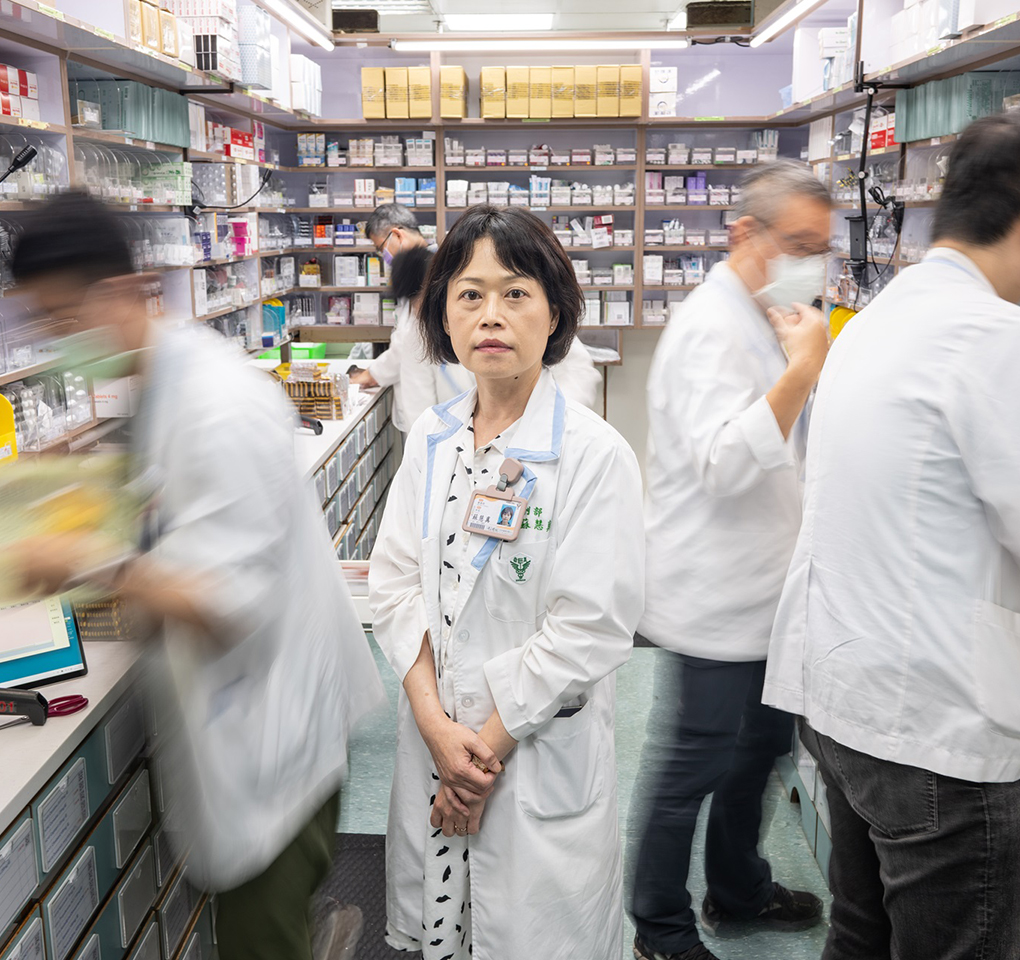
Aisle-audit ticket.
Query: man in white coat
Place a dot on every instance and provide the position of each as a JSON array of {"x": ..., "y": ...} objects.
[
  {"x": 267, "y": 660},
  {"x": 727, "y": 400},
  {"x": 898, "y": 637}
]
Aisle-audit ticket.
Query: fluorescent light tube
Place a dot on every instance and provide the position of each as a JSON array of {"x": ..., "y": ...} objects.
[
  {"x": 496, "y": 22},
  {"x": 310, "y": 29},
  {"x": 777, "y": 26},
  {"x": 466, "y": 45}
]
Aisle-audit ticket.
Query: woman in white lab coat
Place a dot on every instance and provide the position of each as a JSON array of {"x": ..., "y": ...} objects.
[{"x": 507, "y": 648}]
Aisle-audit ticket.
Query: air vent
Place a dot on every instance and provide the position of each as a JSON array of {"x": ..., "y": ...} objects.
[
  {"x": 355, "y": 21},
  {"x": 720, "y": 13}
]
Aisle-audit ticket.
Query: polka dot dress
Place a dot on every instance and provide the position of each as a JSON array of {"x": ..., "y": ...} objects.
[{"x": 446, "y": 908}]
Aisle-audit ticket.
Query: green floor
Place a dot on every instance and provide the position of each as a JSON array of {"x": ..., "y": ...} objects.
[{"x": 366, "y": 800}]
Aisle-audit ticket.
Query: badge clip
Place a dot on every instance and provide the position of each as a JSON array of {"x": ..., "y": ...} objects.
[{"x": 497, "y": 512}]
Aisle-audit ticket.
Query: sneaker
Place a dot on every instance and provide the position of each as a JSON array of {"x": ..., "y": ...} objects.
[
  {"x": 642, "y": 951},
  {"x": 338, "y": 933},
  {"x": 788, "y": 910}
]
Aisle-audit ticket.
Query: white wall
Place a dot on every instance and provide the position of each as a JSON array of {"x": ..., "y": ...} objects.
[{"x": 626, "y": 396}]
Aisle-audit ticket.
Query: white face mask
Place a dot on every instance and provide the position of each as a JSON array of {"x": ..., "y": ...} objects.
[{"x": 792, "y": 280}]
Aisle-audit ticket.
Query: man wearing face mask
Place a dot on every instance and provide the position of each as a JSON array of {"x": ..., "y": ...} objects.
[
  {"x": 393, "y": 230},
  {"x": 728, "y": 398}
]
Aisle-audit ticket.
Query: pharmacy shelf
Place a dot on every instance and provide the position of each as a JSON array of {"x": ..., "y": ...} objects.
[
  {"x": 345, "y": 211},
  {"x": 597, "y": 287},
  {"x": 224, "y": 261},
  {"x": 683, "y": 248},
  {"x": 12, "y": 376},
  {"x": 670, "y": 286},
  {"x": 141, "y": 207},
  {"x": 690, "y": 206},
  {"x": 566, "y": 208},
  {"x": 609, "y": 249},
  {"x": 37, "y": 125},
  {"x": 339, "y": 333},
  {"x": 550, "y": 168},
  {"x": 124, "y": 140},
  {"x": 656, "y": 167},
  {"x": 354, "y": 168},
  {"x": 223, "y": 311},
  {"x": 68, "y": 438}
]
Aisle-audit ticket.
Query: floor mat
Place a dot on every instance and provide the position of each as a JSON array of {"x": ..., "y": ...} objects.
[{"x": 359, "y": 877}]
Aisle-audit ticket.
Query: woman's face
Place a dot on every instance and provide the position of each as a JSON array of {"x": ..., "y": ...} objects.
[{"x": 499, "y": 323}]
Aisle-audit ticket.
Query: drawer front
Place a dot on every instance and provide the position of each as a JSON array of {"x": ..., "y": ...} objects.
[
  {"x": 124, "y": 737},
  {"x": 92, "y": 949},
  {"x": 68, "y": 909},
  {"x": 331, "y": 478},
  {"x": 28, "y": 942},
  {"x": 132, "y": 818},
  {"x": 134, "y": 897},
  {"x": 175, "y": 916},
  {"x": 148, "y": 943},
  {"x": 19, "y": 871},
  {"x": 200, "y": 943}
]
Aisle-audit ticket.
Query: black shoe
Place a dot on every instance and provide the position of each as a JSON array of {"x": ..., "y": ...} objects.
[
  {"x": 642, "y": 951},
  {"x": 788, "y": 910}
]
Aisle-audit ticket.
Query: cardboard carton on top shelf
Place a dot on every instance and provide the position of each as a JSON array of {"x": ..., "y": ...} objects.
[
  {"x": 373, "y": 93},
  {"x": 540, "y": 93},
  {"x": 630, "y": 90},
  {"x": 562, "y": 91},
  {"x": 493, "y": 92},
  {"x": 608, "y": 95},
  {"x": 419, "y": 92},
  {"x": 585, "y": 91},
  {"x": 397, "y": 107},
  {"x": 518, "y": 91},
  {"x": 452, "y": 92}
]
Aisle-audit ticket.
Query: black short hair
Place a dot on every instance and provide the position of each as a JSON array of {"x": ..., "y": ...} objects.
[
  {"x": 980, "y": 201},
  {"x": 523, "y": 244},
  {"x": 72, "y": 234},
  {"x": 389, "y": 215}
]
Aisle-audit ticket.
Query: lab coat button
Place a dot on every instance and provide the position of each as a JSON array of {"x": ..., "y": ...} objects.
[
  {"x": 463, "y": 635},
  {"x": 467, "y": 702}
]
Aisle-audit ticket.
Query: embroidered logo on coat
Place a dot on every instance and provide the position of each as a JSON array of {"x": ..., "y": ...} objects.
[{"x": 521, "y": 566}]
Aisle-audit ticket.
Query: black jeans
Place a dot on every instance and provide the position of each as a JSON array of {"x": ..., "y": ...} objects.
[
  {"x": 923, "y": 867},
  {"x": 721, "y": 740}
]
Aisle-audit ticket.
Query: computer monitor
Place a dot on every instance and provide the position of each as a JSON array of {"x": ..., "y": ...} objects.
[{"x": 39, "y": 643}]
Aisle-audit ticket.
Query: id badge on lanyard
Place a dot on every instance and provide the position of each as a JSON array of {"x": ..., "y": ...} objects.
[{"x": 497, "y": 512}]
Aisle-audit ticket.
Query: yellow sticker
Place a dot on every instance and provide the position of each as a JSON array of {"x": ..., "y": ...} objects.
[
  {"x": 106, "y": 33},
  {"x": 8, "y": 440},
  {"x": 51, "y": 11}
]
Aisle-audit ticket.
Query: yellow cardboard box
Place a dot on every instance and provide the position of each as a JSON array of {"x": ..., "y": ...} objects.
[
  {"x": 373, "y": 93},
  {"x": 150, "y": 27},
  {"x": 585, "y": 100},
  {"x": 134, "y": 21},
  {"x": 397, "y": 106},
  {"x": 419, "y": 92},
  {"x": 518, "y": 91},
  {"x": 168, "y": 33},
  {"x": 452, "y": 92},
  {"x": 493, "y": 105},
  {"x": 630, "y": 90},
  {"x": 608, "y": 96},
  {"x": 540, "y": 93},
  {"x": 562, "y": 91}
]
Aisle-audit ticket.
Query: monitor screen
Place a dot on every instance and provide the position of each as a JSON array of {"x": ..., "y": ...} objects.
[{"x": 39, "y": 643}]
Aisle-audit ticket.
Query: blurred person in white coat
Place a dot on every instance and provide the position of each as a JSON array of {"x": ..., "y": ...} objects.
[
  {"x": 507, "y": 648},
  {"x": 898, "y": 632},
  {"x": 728, "y": 400},
  {"x": 266, "y": 658}
]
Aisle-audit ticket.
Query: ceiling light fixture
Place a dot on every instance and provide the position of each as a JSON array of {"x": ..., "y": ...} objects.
[
  {"x": 499, "y": 22},
  {"x": 772, "y": 29},
  {"x": 303, "y": 23},
  {"x": 550, "y": 45}
]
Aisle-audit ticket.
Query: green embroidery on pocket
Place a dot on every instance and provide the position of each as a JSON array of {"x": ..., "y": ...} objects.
[{"x": 520, "y": 566}]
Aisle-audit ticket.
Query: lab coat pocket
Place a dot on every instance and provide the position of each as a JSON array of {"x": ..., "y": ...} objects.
[
  {"x": 513, "y": 581},
  {"x": 997, "y": 666},
  {"x": 559, "y": 768}
]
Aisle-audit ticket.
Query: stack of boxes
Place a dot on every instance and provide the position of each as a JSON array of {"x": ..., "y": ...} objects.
[
  {"x": 541, "y": 93},
  {"x": 396, "y": 93},
  {"x": 153, "y": 26},
  {"x": 214, "y": 24},
  {"x": 254, "y": 32},
  {"x": 835, "y": 54},
  {"x": 662, "y": 92},
  {"x": 305, "y": 85},
  {"x": 19, "y": 93},
  {"x": 452, "y": 93}
]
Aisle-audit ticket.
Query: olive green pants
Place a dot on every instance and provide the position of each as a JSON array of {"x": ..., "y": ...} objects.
[{"x": 269, "y": 917}]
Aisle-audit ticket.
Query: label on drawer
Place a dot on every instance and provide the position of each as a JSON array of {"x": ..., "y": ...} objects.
[
  {"x": 194, "y": 951},
  {"x": 19, "y": 875},
  {"x": 91, "y": 950},
  {"x": 175, "y": 916},
  {"x": 135, "y": 897},
  {"x": 30, "y": 946},
  {"x": 148, "y": 946},
  {"x": 73, "y": 904},
  {"x": 125, "y": 737},
  {"x": 131, "y": 818},
  {"x": 63, "y": 813}
]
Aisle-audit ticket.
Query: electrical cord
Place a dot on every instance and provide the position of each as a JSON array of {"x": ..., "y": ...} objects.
[
  {"x": 200, "y": 205},
  {"x": 736, "y": 41}
]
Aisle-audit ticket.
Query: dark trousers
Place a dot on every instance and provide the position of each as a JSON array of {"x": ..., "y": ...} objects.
[
  {"x": 923, "y": 867},
  {"x": 720, "y": 740},
  {"x": 269, "y": 917}
]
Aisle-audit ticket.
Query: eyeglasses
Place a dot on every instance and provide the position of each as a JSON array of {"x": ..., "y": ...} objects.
[
  {"x": 795, "y": 247},
  {"x": 382, "y": 246}
]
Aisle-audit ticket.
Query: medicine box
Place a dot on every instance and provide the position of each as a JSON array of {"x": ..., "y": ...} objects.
[
  {"x": 493, "y": 93},
  {"x": 585, "y": 91},
  {"x": 562, "y": 91},
  {"x": 540, "y": 93},
  {"x": 419, "y": 92},
  {"x": 373, "y": 93},
  {"x": 452, "y": 92},
  {"x": 630, "y": 90},
  {"x": 608, "y": 91},
  {"x": 662, "y": 80}
]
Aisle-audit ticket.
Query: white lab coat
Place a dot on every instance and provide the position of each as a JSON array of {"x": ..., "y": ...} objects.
[
  {"x": 724, "y": 487},
  {"x": 265, "y": 725},
  {"x": 424, "y": 384},
  {"x": 912, "y": 504},
  {"x": 545, "y": 868}
]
